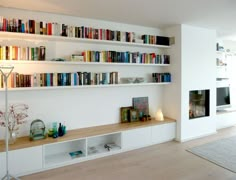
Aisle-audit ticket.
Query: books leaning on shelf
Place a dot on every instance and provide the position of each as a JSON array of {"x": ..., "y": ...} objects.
[
  {"x": 60, "y": 29},
  {"x": 76, "y": 154},
  {"x": 17, "y": 80},
  {"x": 22, "y": 53},
  {"x": 161, "y": 77},
  {"x": 158, "y": 40},
  {"x": 32, "y": 26},
  {"x": 124, "y": 57}
]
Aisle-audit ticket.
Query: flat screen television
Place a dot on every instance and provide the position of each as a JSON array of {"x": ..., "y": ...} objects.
[{"x": 222, "y": 97}]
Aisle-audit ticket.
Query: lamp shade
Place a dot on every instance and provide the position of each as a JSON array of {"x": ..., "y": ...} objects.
[{"x": 159, "y": 115}]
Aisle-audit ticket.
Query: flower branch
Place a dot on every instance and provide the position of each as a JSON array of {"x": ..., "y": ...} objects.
[{"x": 16, "y": 116}]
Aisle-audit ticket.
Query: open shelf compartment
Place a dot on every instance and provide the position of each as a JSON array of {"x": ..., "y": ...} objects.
[
  {"x": 104, "y": 144},
  {"x": 57, "y": 153}
]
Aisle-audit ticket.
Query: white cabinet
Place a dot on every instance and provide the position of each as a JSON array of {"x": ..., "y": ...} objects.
[
  {"x": 92, "y": 143},
  {"x": 59, "y": 153},
  {"x": 163, "y": 133},
  {"x": 225, "y": 119},
  {"x": 136, "y": 138},
  {"x": 22, "y": 161}
]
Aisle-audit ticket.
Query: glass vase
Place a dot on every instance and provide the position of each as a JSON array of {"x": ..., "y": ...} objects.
[{"x": 12, "y": 136}]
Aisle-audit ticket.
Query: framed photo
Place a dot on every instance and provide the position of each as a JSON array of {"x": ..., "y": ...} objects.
[
  {"x": 141, "y": 104},
  {"x": 134, "y": 115},
  {"x": 125, "y": 114}
]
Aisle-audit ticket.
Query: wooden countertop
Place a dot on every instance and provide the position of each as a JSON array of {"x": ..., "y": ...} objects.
[{"x": 24, "y": 142}]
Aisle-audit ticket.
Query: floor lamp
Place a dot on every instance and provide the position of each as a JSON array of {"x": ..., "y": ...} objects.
[{"x": 6, "y": 71}]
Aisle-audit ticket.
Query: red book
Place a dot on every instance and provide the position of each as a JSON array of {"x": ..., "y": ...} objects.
[
  {"x": 4, "y": 27},
  {"x": 90, "y": 32},
  {"x": 49, "y": 28}
]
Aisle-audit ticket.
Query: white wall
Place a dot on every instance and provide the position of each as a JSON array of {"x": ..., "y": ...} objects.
[
  {"x": 172, "y": 93},
  {"x": 193, "y": 68},
  {"x": 198, "y": 73},
  {"x": 80, "y": 107}
]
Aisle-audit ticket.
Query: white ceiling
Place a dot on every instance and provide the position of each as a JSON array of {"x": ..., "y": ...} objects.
[{"x": 212, "y": 14}]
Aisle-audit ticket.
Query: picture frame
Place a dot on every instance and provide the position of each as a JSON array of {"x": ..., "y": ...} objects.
[
  {"x": 142, "y": 105},
  {"x": 125, "y": 114},
  {"x": 134, "y": 115}
]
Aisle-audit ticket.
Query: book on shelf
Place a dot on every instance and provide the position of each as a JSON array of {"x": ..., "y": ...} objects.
[
  {"x": 76, "y": 154},
  {"x": 22, "y": 53},
  {"x": 124, "y": 57},
  {"x": 77, "y": 58},
  {"x": 61, "y": 29}
]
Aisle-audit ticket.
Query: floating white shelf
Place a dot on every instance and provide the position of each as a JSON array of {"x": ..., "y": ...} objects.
[
  {"x": 220, "y": 52},
  {"x": 221, "y": 66},
  {"x": 76, "y": 63},
  {"x": 85, "y": 86},
  {"x": 41, "y": 38}
]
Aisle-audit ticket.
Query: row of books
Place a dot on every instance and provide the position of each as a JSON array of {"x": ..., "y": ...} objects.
[
  {"x": 161, "y": 77},
  {"x": 121, "y": 57},
  {"x": 59, "y": 79},
  {"x": 57, "y": 29},
  {"x": 158, "y": 40},
  {"x": 22, "y": 53}
]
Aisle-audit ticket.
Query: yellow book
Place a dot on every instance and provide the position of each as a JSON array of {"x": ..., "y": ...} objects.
[
  {"x": 0, "y": 52},
  {"x": 10, "y": 52},
  {"x": 55, "y": 80},
  {"x": 3, "y": 53}
]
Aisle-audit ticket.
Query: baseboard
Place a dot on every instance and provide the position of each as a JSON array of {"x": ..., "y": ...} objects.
[
  {"x": 226, "y": 126},
  {"x": 197, "y": 137}
]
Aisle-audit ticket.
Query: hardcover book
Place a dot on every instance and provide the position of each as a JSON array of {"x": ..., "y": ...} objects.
[{"x": 76, "y": 154}]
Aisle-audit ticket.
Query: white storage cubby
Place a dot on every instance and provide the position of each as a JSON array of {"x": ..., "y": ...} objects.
[
  {"x": 97, "y": 145},
  {"x": 57, "y": 153}
]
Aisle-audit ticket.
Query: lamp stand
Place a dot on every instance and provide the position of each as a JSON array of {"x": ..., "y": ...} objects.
[{"x": 6, "y": 71}]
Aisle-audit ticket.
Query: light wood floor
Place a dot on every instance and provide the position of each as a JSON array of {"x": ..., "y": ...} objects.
[{"x": 167, "y": 161}]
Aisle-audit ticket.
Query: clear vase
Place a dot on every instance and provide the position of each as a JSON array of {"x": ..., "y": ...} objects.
[{"x": 12, "y": 136}]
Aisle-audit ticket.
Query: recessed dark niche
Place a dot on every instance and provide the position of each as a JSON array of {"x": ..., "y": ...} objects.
[{"x": 199, "y": 103}]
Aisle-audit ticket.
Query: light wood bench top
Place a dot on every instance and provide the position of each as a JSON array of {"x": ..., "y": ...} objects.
[{"x": 24, "y": 142}]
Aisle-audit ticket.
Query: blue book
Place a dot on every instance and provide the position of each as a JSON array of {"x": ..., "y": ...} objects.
[
  {"x": 76, "y": 154},
  {"x": 75, "y": 79},
  {"x": 63, "y": 79},
  {"x": 23, "y": 27},
  {"x": 48, "y": 79}
]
